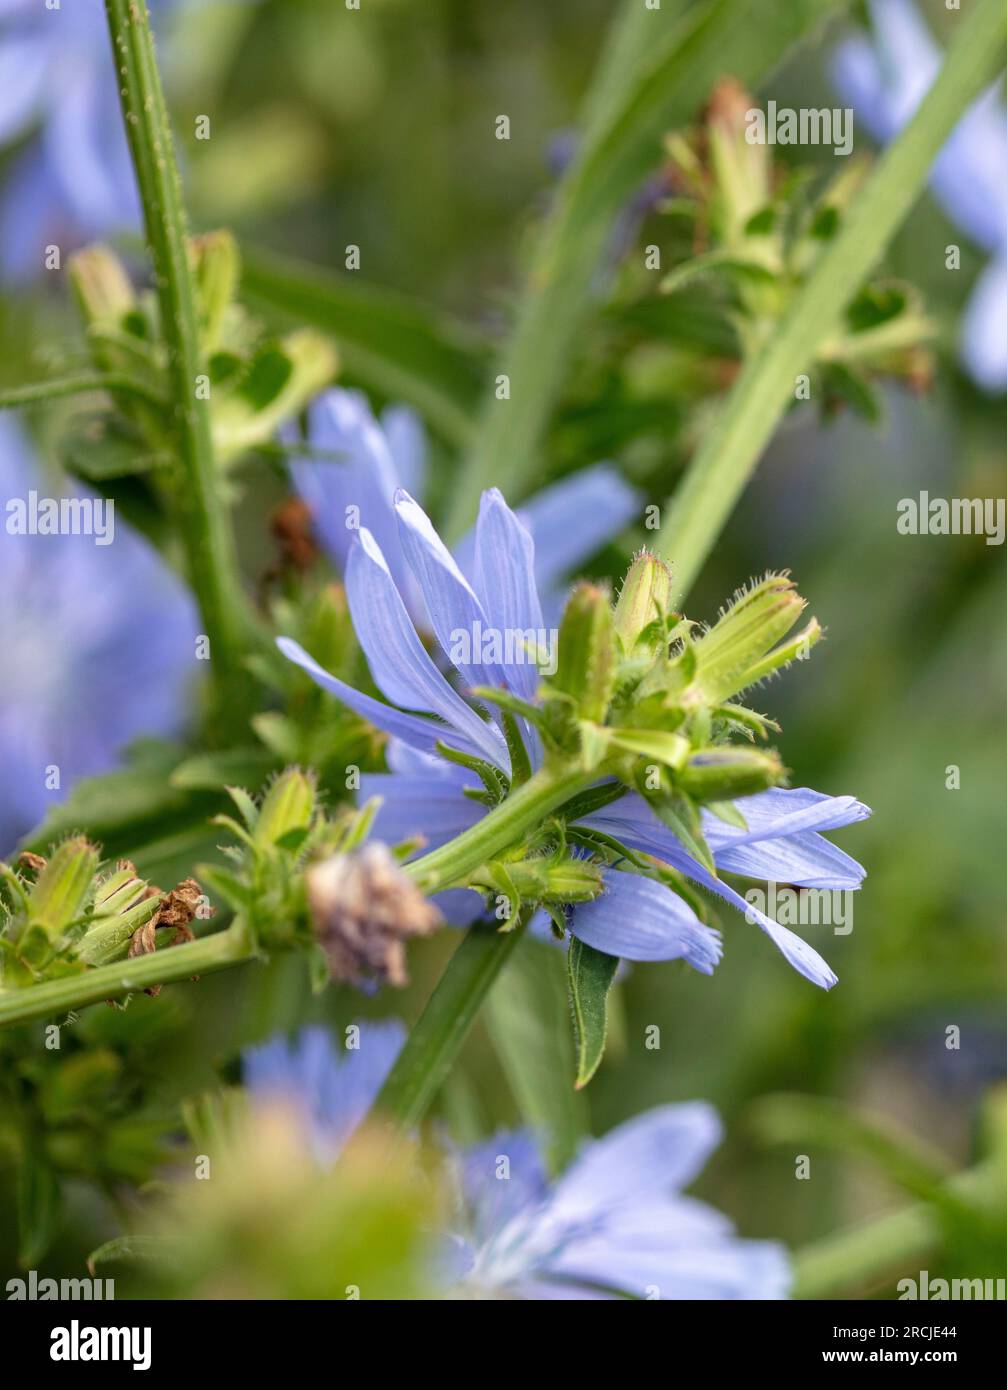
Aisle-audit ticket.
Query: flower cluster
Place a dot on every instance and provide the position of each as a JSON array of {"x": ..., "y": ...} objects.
[{"x": 631, "y": 739}]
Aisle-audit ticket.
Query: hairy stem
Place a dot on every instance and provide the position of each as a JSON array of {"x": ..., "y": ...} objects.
[
  {"x": 205, "y": 525},
  {"x": 58, "y": 997},
  {"x": 523, "y": 809}
]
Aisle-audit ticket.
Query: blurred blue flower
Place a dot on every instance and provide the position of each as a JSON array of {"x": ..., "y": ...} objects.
[
  {"x": 886, "y": 79},
  {"x": 614, "y": 1223},
  {"x": 332, "y": 1090},
  {"x": 635, "y": 918},
  {"x": 99, "y": 648},
  {"x": 73, "y": 182},
  {"x": 568, "y": 521}
]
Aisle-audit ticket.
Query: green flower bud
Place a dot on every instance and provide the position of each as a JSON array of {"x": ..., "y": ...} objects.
[
  {"x": 101, "y": 287},
  {"x": 123, "y": 902},
  {"x": 738, "y": 650},
  {"x": 721, "y": 774},
  {"x": 288, "y": 807},
  {"x": 556, "y": 881},
  {"x": 740, "y": 169},
  {"x": 585, "y": 667},
  {"x": 217, "y": 265},
  {"x": 643, "y": 603},
  {"x": 59, "y": 894}
]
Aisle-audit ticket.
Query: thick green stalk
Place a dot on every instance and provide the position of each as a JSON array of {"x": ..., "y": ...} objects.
[
  {"x": 765, "y": 388},
  {"x": 205, "y": 525},
  {"x": 437, "y": 1037},
  {"x": 57, "y": 997},
  {"x": 862, "y": 1256},
  {"x": 523, "y": 809}
]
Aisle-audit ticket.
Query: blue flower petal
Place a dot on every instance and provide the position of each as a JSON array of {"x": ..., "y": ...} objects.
[
  {"x": 456, "y": 615},
  {"x": 421, "y": 734},
  {"x": 659, "y": 1151},
  {"x": 638, "y": 919},
  {"x": 402, "y": 668}
]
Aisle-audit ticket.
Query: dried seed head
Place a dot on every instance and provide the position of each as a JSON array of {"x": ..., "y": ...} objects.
[{"x": 364, "y": 910}]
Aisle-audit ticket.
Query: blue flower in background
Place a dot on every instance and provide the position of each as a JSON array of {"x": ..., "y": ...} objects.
[
  {"x": 73, "y": 182},
  {"x": 614, "y": 1224},
  {"x": 886, "y": 79},
  {"x": 332, "y": 1090},
  {"x": 635, "y": 918},
  {"x": 568, "y": 521},
  {"x": 100, "y": 648}
]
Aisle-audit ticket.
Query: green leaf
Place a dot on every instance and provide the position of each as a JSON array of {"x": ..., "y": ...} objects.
[
  {"x": 590, "y": 974},
  {"x": 764, "y": 390},
  {"x": 38, "y": 1207},
  {"x": 212, "y": 771},
  {"x": 527, "y": 1019},
  {"x": 662, "y": 69},
  {"x": 392, "y": 345}
]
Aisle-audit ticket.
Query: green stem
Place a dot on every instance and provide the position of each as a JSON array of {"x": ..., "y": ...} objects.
[
  {"x": 765, "y": 388},
  {"x": 205, "y": 525},
  {"x": 862, "y": 1256},
  {"x": 437, "y": 1037},
  {"x": 524, "y": 808},
  {"x": 162, "y": 967},
  {"x": 34, "y": 392}
]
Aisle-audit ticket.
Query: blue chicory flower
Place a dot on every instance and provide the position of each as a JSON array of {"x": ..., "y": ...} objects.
[
  {"x": 73, "y": 183},
  {"x": 568, "y": 520},
  {"x": 635, "y": 918},
  {"x": 886, "y": 79},
  {"x": 614, "y": 1224},
  {"x": 99, "y": 644}
]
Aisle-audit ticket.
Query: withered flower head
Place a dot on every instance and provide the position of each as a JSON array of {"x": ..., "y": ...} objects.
[{"x": 364, "y": 910}]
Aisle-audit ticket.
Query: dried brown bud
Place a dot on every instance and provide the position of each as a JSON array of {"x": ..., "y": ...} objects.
[
  {"x": 364, "y": 910},
  {"x": 177, "y": 910}
]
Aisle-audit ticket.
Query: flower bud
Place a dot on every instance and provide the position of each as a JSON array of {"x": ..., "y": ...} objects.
[
  {"x": 721, "y": 774},
  {"x": 556, "y": 881},
  {"x": 288, "y": 806},
  {"x": 364, "y": 909},
  {"x": 586, "y": 662},
  {"x": 59, "y": 894},
  {"x": 217, "y": 266},
  {"x": 738, "y": 650},
  {"x": 101, "y": 286},
  {"x": 643, "y": 603}
]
